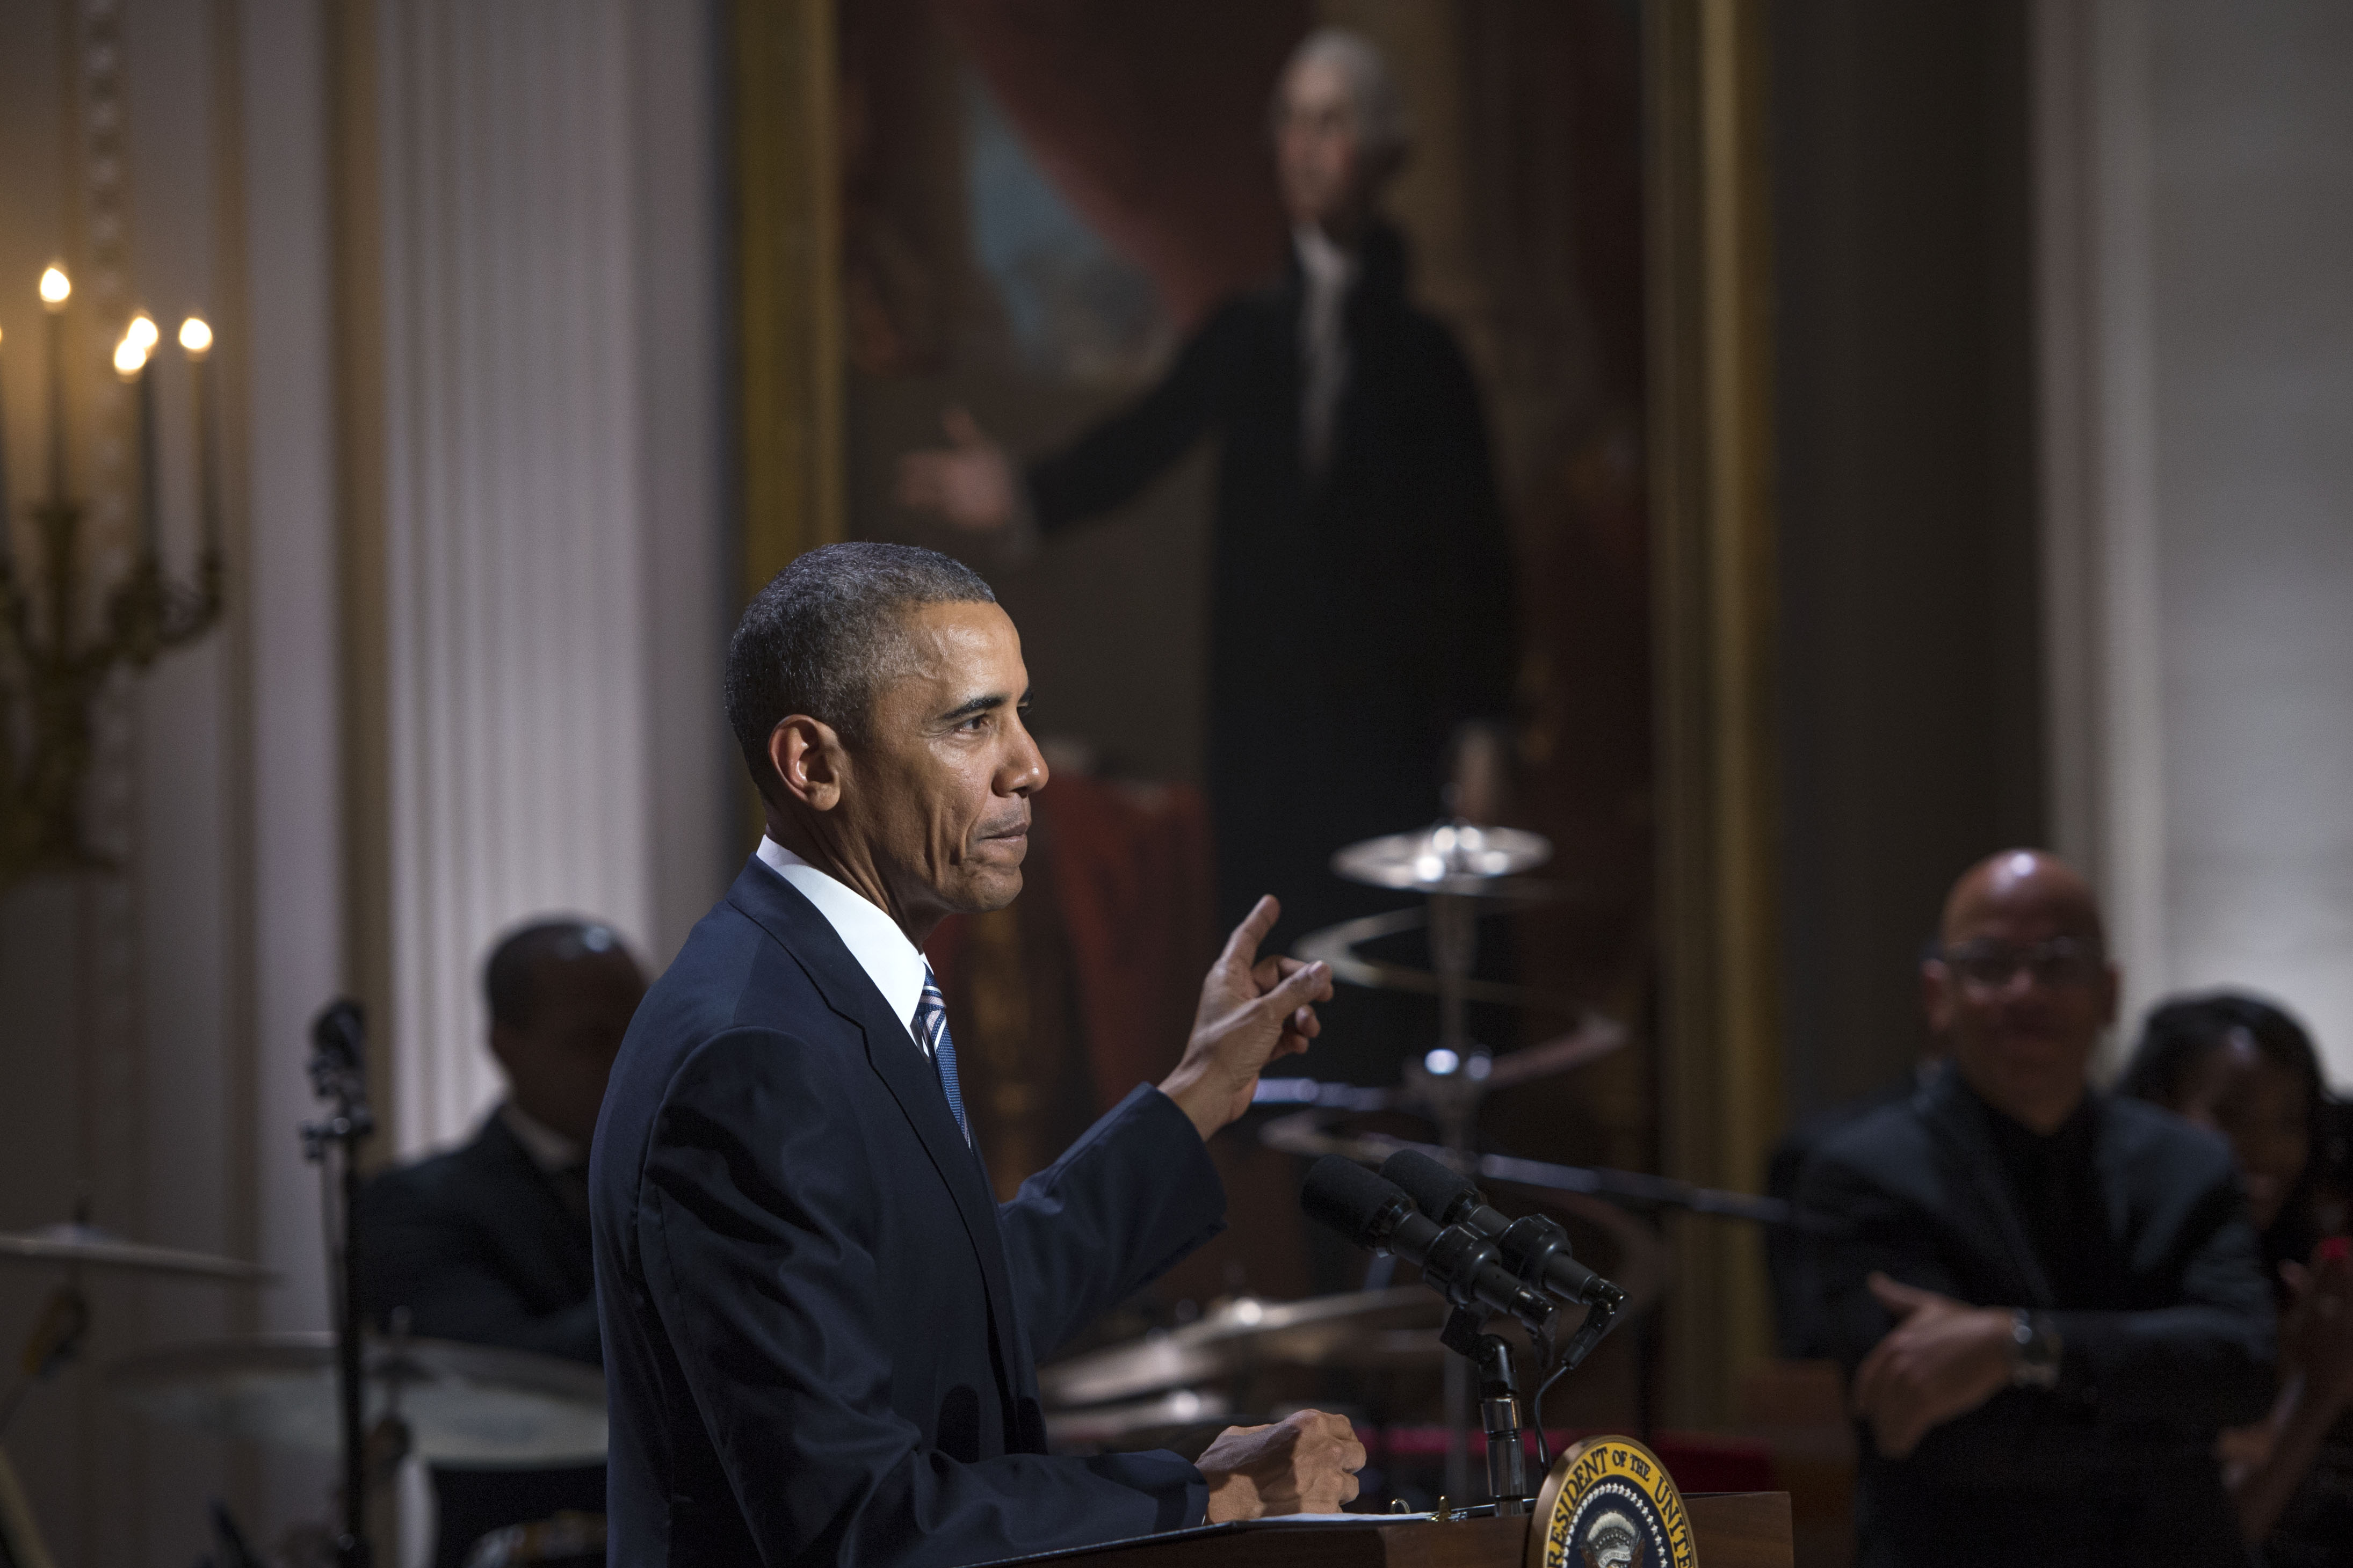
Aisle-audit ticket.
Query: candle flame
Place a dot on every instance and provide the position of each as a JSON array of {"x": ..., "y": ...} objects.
[
  {"x": 195, "y": 337},
  {"x": 129, "y": 356},
  {"x": 143, "y": 332},
  {"x": 54, "y": 288}
]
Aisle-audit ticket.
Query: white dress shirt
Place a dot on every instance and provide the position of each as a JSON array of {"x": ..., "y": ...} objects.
[
  {"x": 896, "y": 964},
  {"x": 1330, "y": 273}
]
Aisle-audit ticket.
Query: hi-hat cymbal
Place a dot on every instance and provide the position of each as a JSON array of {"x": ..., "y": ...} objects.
[
  {"x": 1450, "y": 857},
  {"x": 466, "y": 1407},
  {"x": 87, "y": 1247}
]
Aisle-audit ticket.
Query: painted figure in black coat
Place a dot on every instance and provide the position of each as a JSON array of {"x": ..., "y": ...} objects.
[
  {"x": 489, "y": 1242},
  {"x": 821, "y": 1331},
  {"x": 1361, "y": 603},
  {"x": 2050, "y": 1300}
]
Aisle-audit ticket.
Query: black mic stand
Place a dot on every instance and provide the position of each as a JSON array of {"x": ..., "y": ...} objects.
[
  {"x": 1490, "y": 1357},
  {"x": 1499, "y": 1408},
  {"x": 339, "y": 1075}
]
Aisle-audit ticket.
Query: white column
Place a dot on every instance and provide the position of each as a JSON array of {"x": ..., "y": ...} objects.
[
  {"x": 533, "y": 658},
  {"x": 2197, "y": 329}
]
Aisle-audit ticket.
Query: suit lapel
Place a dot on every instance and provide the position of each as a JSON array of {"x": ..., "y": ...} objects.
[{"x": 777, "y": 908}]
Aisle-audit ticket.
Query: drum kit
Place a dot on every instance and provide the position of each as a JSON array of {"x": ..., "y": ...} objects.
[
  {"x": 471, "y": 1407},
  {"x": 1176, "y": 1378}
]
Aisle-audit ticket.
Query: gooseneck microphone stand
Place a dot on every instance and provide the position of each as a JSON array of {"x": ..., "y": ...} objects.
[{"x": 339, "y": 1076}]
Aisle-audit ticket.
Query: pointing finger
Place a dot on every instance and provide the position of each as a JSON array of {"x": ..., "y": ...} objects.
[{"x": 1242, "y": 946}]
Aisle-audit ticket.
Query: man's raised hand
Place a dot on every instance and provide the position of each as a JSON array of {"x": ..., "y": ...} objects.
[
  {"x": 1305, "y": 1463},
  {"x": 1253, "y": 1010},
  {"x": 970, "y": 482}
]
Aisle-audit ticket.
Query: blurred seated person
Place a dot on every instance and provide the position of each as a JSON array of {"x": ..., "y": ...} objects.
[
  {"x": 488, "y": 1244},
  {"x": 2245, "y": 1069},
  {"x": 1351, "y": 436},
  {"x": 2049, "y": 1301}
]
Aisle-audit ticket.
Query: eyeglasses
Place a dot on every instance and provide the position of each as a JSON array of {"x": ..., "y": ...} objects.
[{"x": 1994, "y": 965}]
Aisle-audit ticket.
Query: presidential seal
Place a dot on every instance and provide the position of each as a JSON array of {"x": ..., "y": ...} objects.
[{"x": 1608, "y": 1503}]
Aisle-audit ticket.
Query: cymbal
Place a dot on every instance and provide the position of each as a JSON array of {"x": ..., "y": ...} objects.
[
  {"x": 1361, "y": 1329},
  {"x": 87, "y": 1247},
  {"x": 466, "y": 1407},
  {"x": 1448, "y": 857},
  {"x": 1175, "y": 1411}
]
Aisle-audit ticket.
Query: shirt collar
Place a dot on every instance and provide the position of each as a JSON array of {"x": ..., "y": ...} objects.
[
  {"x": 548, "y": 1150},
  {"x": 896, "y": 964}
]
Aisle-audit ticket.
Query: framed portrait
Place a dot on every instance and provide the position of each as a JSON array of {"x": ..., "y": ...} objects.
[{"x": 1294, "y": 559}]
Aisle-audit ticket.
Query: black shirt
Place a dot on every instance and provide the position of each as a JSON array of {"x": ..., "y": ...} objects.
[{"x": 2056, "y": 1188}]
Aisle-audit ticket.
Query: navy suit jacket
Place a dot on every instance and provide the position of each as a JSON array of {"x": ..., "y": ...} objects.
[{"x": 821, "y": 1331}]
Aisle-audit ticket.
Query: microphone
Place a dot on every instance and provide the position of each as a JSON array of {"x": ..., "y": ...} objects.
[
  {"x": 1534, "y": 1249},
  {"x": 1464, "y": 1268}
]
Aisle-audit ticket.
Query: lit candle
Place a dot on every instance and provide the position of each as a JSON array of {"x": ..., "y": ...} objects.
[
  {"x": 131, "y": 365},
  {"x": 196, "y": 341},
  {"x": 55, "y": 289}
]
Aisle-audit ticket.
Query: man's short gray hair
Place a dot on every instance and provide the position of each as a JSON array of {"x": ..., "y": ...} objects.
[
  {"x": 1380, "y": 113},
  {"x": 824, "y": 635}
]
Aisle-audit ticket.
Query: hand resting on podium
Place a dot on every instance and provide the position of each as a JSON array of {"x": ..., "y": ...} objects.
[{"x": 1305, "y": 1463}]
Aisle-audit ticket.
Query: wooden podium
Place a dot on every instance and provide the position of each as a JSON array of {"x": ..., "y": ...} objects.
[{"x": 1731, "y": 1529}]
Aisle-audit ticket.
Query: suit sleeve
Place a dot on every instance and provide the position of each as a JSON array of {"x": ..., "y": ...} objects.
[
  {"x": 2203, "y": 1361},
  {"x": 751, "y": 1232},
  {"x": 440, "y": 1268},
  {"x": 1866, "y": 1228},
  {"x": 1107, "y": 466},
  {"x": 1121, "y": 1205}
]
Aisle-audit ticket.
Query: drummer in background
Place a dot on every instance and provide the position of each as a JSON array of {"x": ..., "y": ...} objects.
[{"x": 489, "y": 1244}]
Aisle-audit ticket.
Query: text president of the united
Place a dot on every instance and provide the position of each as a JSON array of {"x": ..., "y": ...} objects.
[{"x": 821, "y": 1331}]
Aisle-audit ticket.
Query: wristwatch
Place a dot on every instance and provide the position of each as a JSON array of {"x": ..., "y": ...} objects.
[{"x": 2034, "y": 1350}]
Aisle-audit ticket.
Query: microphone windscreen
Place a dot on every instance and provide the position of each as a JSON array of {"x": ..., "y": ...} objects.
[
  {"x": 1350, "y": 1199},
  {"x": 1434, "y": 1188}
]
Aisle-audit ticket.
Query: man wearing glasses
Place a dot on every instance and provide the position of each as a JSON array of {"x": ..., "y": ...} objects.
[{"x": 2049, "y": 1301}]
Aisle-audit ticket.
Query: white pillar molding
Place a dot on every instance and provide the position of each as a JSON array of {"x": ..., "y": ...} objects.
[
  {"x": 2101, "y": 585},
  {"x": 528, "y": 657},
  {"x": 2195, "y": 166}
]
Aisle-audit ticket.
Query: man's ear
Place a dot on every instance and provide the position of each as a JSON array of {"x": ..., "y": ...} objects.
[
  {"x": 1937, "y": 996},
  {"x": 2111, "y": 985},
  {"x": 809, "y": 758}
]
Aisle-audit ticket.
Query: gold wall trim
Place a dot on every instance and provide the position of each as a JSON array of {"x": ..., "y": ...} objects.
[
  {"x": 362, "y": 568},
  {"x": 1716, "y": 596},
  {"x": 788, "y": 261}
]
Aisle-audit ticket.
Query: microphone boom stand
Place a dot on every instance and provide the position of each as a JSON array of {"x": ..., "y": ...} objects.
[{"x": 339, "y": 1075}]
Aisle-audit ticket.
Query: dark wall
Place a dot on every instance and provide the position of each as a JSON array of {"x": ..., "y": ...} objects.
[{"x": 1912, "y": 715}]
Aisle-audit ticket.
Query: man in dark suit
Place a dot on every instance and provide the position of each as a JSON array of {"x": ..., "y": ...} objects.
[
  {"x": 1351, "y": 436},
  {"x": 2050, "y": 1300},
  {"x": 489, "y": 1244},
  {"x": 821, "y": 1331}
]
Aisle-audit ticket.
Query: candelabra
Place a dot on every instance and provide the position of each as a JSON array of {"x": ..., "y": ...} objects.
[{"x": 55, "y": 656}]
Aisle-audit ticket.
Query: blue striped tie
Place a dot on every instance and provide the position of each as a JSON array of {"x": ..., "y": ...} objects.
[{"x": 932, "y": 1028}]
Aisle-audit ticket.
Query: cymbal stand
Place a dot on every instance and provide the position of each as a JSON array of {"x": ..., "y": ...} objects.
[
  {"x": 1453, "y": 1079},
  {"x": 339, "y": 1075}
]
